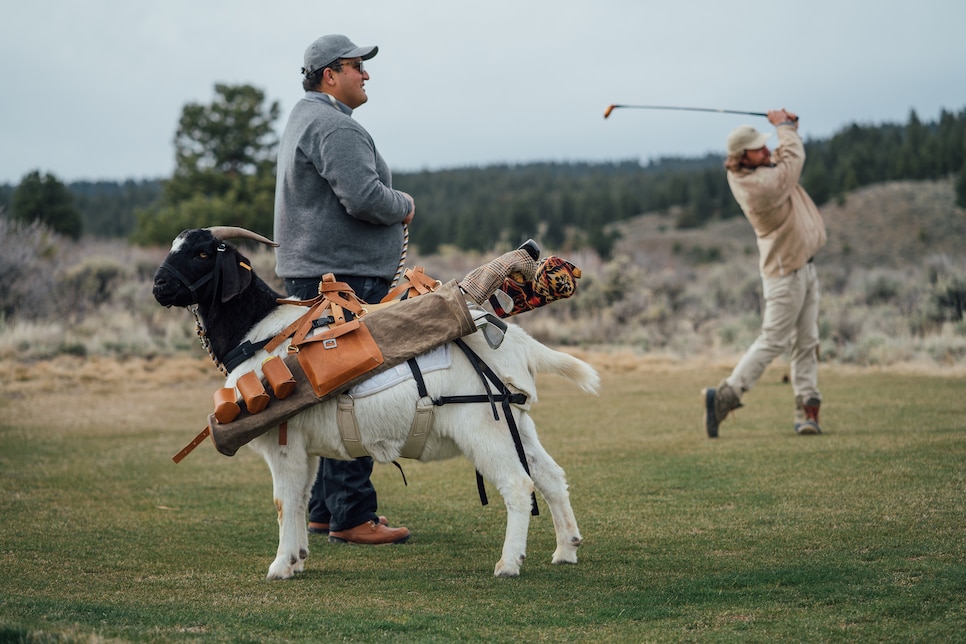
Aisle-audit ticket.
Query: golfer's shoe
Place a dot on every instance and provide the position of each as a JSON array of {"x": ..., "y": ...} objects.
[
  {"x": 808, "y": 428},
  {"x": 718, "y": 403},
  {"x": 370, "y": 533},
  {"x": 806, "y": 416}
]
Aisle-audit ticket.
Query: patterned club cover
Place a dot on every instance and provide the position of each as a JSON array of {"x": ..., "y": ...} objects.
[{"x": 555, "y": 279}]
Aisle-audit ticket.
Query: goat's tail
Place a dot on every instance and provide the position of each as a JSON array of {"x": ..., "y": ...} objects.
[{"x": 546, "y": 360}]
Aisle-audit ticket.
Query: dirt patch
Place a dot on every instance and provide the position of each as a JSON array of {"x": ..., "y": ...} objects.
[
  {"x": 70, "y": 393},
  {"x": 74, "y": 392}
]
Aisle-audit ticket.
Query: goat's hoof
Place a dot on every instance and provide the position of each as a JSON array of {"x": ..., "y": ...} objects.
[
  {"x": 564, "y": 558},
  {"x": 280, "y": 571},
  {"x": 509, "y": 570}
]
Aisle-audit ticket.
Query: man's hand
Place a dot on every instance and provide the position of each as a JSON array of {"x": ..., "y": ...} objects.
[
  {"x": 776, "y": 117},
  {"x": 412, "y": 208}
]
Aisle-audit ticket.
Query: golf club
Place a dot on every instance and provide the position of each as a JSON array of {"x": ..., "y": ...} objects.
[{"x": 611, "y": 108}]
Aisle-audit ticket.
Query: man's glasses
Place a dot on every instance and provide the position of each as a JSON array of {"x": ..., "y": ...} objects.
[{"x": 351, "y": 63}]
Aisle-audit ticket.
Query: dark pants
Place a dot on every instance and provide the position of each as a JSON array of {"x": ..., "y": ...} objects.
[{"x": 342, "y": 496}]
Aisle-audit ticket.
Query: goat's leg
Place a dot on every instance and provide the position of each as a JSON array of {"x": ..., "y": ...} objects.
[
  {"x": 302, "y": 510},
  {"x": 290, "y": 470},
  {"x": 550, "y": 481},
  {"x": 503, "y": 469},
  {"x": 516, "y": 494}
]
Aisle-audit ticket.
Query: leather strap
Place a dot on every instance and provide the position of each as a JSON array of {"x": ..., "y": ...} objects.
[
  {"x": 348, "y": 428},
  {"x": 337, "y": 297},
  {"x": 206, "y": 432},
  {"x": 195, "y": 442},
  {"x": 423, "y": 420},
  {"x": 416, "y": 283},
  {"x": 287, "y": 332},
  {"x": 420, "y": 429}
]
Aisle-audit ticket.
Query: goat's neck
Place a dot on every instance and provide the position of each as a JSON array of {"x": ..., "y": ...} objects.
[{"x": 227, "y": 323}]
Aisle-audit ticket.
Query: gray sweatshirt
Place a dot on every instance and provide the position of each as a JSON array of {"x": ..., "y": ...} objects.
[{"x": 335, "y": 209}]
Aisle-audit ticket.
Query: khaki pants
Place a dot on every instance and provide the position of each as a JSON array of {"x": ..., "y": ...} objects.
[{"x": 790, "y": 321}]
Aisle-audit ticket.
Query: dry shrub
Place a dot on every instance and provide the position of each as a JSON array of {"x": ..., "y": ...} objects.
[
  {"x": 646, "y": 301},
  {"x": 28, "y": 259},
  {"x": 90, "y": 284}
]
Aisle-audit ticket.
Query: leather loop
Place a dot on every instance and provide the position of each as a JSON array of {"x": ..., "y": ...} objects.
[
  {"x": 416, "y": 283},
  {"x": 335, "y": 297},
  {"x": 283, "y": 433},
  {"x": 348, "y": 428},
  {"x": 195, "y": 442}
]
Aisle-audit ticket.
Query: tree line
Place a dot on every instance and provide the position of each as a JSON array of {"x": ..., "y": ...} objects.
[{"x": 225, "y": 174}]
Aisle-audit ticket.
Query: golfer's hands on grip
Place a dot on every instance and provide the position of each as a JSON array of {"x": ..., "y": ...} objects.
[
  {"x": 412, "y": 207},
  {"x": 776, "y": 117}
]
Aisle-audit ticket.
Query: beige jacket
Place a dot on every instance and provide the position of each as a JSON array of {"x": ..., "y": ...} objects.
[{"x": 787, "y": 223}]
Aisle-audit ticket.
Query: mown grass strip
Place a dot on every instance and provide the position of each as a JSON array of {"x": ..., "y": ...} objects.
[{"x": 759, "y": 535}]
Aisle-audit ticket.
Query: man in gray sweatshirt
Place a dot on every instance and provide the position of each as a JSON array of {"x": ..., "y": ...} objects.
[{"x": 336, "y": 212}]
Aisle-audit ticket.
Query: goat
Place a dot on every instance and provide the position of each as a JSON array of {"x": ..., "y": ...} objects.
[{"x": 234, "y": 305}]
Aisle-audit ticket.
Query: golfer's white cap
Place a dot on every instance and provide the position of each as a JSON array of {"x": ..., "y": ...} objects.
[{"x": 745, "y": 137}]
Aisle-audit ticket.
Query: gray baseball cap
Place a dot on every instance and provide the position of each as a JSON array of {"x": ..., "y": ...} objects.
[
  {"x": 745, "y": 137},
  {"x": 328, "y": 49}
]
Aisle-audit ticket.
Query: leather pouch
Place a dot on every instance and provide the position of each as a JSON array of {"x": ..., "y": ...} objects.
[
  {"x": 279, "y": 377},
  {"x": 226, "y": 409},
  {"x": 252, "y": 392},
  {"x": 335, "y": 356}
]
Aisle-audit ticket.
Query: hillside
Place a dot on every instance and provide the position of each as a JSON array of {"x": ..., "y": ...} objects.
[
  {"x": 891, "y": 225},
  {"x": 893, "y": 278}
]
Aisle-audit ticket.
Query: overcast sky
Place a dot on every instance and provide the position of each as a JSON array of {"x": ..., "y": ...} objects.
[{"x": 93, "y": 89}]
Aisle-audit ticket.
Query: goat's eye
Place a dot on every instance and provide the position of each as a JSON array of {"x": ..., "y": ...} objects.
[{"x": 203, "y": 255}]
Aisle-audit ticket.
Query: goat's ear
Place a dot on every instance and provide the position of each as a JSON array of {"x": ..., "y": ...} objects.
[{"x": 236, "y": 274}]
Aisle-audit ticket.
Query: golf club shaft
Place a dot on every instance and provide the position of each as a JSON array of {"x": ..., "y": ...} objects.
[{"x": 611, "y": 108}]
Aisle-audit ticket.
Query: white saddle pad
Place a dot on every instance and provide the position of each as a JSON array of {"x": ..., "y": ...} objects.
[{"x": 432, "y": 360}]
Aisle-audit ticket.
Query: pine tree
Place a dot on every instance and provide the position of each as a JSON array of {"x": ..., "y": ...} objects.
[
  {"x": 47, "y": 200},
  {"x": 225, "y": 167}
]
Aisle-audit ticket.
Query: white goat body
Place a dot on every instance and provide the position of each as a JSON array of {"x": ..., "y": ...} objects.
[{"x": 384, "y": 420}]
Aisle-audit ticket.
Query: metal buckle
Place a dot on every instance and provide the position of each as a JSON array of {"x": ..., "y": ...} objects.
[{"x": 330, "y": 343}]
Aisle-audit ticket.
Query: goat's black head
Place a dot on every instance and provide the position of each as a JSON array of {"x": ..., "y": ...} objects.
[{"x": 201, "y": 267}]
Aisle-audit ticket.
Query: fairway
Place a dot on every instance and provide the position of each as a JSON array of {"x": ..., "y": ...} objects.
[{"x": 758, "y": 536}]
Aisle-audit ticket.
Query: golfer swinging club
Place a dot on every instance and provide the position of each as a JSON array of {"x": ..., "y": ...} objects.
[{"x": 790, "y": 231}]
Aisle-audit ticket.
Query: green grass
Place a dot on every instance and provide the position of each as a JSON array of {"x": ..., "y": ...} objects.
[{"x": 759, "y": 536}]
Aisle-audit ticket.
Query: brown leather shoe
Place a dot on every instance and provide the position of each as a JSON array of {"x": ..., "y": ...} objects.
[
  {"x": 318, "y": 528},
  {"x": 370, "y": 533},
  {"x": 323, "y": 528}
]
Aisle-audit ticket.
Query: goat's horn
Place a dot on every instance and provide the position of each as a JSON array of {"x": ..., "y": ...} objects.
[{"x": 233, "y": 232}]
